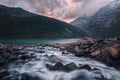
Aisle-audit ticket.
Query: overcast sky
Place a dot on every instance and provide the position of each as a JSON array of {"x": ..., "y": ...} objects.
[{"x": 65, "y": 10}]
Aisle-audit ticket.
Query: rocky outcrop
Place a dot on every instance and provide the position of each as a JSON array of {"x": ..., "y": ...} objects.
[{"x": 105, "y": 50}]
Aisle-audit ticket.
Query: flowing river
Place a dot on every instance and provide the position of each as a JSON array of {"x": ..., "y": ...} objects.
[{"x": 35, "y": 68}]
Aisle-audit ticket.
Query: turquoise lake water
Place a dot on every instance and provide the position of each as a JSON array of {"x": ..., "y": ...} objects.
[{"x": 38, "y": 41}]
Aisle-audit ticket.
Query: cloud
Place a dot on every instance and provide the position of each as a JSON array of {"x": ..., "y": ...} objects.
[
  {"x": 8, "y": 2},
  {"x": 66, "y": 10}
]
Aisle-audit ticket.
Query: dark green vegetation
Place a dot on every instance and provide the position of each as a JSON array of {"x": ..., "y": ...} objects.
[
  {"x": 18, "y": 23},
  {"x": 104, "y": 23}
]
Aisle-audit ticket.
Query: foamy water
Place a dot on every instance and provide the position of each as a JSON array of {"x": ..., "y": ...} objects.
[{"x": 37, "y": 66}]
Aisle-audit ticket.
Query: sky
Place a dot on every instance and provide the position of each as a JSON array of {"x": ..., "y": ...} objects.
[{"x": 65, "y": 10}]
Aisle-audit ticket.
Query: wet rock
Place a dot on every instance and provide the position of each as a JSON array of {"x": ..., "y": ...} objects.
[
  {"x": 98, "y": 75},
  {"x": 71, "y": 66},
  {"x": 96, "y": 69},
  {"x": 17, "y": 48},
  {"x": 100, "y": 41},
  {"x": 80, "y": 53},
  {"x": 40, "y": 47},
  {"x": 2, "y": 62},
  {"x": 32, "y": 54},
  {"x": 54, "y": 59},
  {"x": 87, "y": 40},
  {"x": 87, "y": 67},
  {"x": 41, "y": 51},
  {"x": 114, "y": 53},
  {"x": 96, "y": 53},
  {"x": 114, "y": 39},
  {"x": 6, "y": 55},
  {"x": 104, "y": 50},
  {"x": 23, "y": 57},
  {"x": 12, "y": 58},
  {"x": 62, "y": 48},
  {"x": 19, "y": 62},
  {"x": 3, "y": 73},
  {"x": 58, "y": 66},
  {"x": 49, "y": 66},
  {"x": 26, "y": 76},
  {"x": 65, "y": 52},
  {"x": 19, "y": 53},
  {"x": 77, "y": 49}
]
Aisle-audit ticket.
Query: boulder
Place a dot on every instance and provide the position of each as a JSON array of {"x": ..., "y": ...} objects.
[
  {"x": 41, "y": 51},
  {"x": 65, "y": 52},
  {"x": 26, "y": 76},
  {"x": 96, "y": 53},
  {"x": 87, "y": 40},
  {"x": 59, "y": 66},
  {"x": 19, "y": 62},
  {"x": 19, "y": 53},
  {"x": 54, "y": 59},
  {"x": 3, "y": 73},
  {"x": 25, "y": 56},
  {"x": 62, "y": 48},
  {"x": 114, "y": 53},
  {"x": 96, "y": 69},
  {"x": 12, "y": 58},
  {"x": 49, "y": 66},
  {"x": 98, "y": 75},
  {"x": 77, "y": 49},
  {"x": 80, "y": 53},
  {"x": 87, "y": 67},
  {"x": 6, "y": 55},
  {"x": 69, "y": 67},
  {"x": 32, "y": 54}
]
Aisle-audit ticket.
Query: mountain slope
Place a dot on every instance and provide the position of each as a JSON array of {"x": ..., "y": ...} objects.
[
  {"x": 104, "y": 23},
  {"x": 18, "y": 23}
]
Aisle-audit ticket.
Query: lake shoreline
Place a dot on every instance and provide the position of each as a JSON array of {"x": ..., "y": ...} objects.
[{"x": 105, "y": 51}]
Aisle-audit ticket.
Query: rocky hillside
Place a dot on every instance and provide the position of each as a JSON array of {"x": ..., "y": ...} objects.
[
  {"x": 18, "y": 23},
  {"x": 104, "y": 23}
]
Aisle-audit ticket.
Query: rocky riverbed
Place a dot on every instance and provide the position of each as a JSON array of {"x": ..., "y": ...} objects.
[
  {"x": 104, "y": 50},
  {"x": 82, "y": 60}
]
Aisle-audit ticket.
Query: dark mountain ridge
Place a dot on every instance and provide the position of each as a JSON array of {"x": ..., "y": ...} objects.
[
  {"x": 104, "y": 23},
  {"x": 18, "y": 23}
]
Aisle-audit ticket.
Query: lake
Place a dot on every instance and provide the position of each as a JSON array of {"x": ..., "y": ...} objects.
[{"x": 38, "y": 41}]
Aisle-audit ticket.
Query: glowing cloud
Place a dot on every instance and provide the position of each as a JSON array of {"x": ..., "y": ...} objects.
[{"x": 66, "y": 10}]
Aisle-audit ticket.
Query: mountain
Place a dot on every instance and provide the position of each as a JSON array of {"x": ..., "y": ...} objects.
[
  {"x": 81, "y": 23},
  {"x": 104, "y": 23},
  {"x": 18, "y": 23}
]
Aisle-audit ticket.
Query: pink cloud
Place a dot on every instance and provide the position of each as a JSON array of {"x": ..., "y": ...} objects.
[{"x": 65, "y": 10}]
